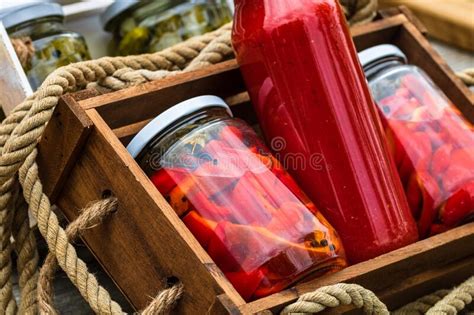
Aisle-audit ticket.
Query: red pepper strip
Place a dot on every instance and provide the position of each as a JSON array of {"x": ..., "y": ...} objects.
[
  {"x": 421, "y": 115},
  {"x": 230, "y": 134},
  {"x": 459, "y": 206},
  {"x": 392, "y": 104},
  {"x": 414, "y": 84},
  {"x": 163, "y": 181},
  {"x": 249, "y": 201},
  {"x": 440, "y": 160},
  {"x": 460, "y": 170},
  {"x": 438, "y": 229},
  {"x": 414, "y": 196},
  {"x": 217, "y": 209},
  {"x": 246, "y": 283},
  {"x": 431, "y": 195},
  {"x": 221, "y": 251},
  {"x": 201, "y": 228},
  {"x": 456, "y": 129}
]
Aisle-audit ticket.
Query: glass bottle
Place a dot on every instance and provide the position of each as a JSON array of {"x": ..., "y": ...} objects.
[{"x": 308, "y": 89}]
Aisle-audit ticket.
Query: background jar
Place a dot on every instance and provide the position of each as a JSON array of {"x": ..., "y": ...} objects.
[
  {"x": 151, "y": 26},
  {"x": 50, "y": 45},
  {"x": 236, "y": 198},
  {"x": 431, "y": 141}
]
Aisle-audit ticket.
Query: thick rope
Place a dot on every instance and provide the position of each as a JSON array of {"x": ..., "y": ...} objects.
[
  {"x": 165, "y": 301},
  {"x": 27, "y": 258},
  {"x": 91, "y": 216},
  {"x": 24, "y": 49},
  {"x": 467, "y": 76},
  {"x": 456, "y": 300},
  {"x": 422, "y": 305},
  {"x": 334, "y": 296},
  {"x": 7, "y": 301}
]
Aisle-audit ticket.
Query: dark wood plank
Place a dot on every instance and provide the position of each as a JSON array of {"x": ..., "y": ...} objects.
[
  {"x": 61, "y": 144},
  {"x": 392, "y": 11},
  {"x": 377, "y": 32}
]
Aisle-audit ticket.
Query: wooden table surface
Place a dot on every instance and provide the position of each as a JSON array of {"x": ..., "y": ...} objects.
[{"x": 68, "y": 299}]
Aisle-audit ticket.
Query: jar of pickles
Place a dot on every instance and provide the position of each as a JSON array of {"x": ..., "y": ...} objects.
[
  {"x": 52, "y": 45},
  {"x": 432, "y": 143},
  {"x": 236, "y": 198},
  {"x": 153, "y": 25}
]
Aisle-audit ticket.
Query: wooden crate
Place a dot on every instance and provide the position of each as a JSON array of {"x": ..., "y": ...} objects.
[{"x": 144, "y": 245}]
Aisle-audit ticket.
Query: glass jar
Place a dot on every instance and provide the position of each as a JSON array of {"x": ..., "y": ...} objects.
[
  {"x": 308, "y": 89},
  {"x": 53, "y": 45},
  {"x": 432, "y": 143},
  {"x": 153, "y": 25},
  {"x": 236, "y": 198}
]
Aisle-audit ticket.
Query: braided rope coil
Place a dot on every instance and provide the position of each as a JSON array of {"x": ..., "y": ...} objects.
[{"x": 335, "y": 296}]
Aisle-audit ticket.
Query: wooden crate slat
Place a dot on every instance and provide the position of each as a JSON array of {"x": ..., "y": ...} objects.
[{"x": 392, "y": 267}]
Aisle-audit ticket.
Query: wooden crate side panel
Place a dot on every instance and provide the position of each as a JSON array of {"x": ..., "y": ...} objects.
[
  {"x": 393, "y": 267},
  {"x": 381, "y": 31},
  {"x": 61, "y": 144},
  {"x": 144, "y": 242}
]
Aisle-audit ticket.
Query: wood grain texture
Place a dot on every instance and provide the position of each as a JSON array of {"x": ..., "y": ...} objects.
[{"x": 61, "y": 143}]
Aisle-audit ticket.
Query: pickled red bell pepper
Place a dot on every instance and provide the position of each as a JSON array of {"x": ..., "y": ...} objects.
[
  {"x": 247, "y": 212},
  {"x": 433, "y": 147}
]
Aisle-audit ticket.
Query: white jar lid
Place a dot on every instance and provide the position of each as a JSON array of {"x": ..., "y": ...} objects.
[
  {"x": 171, "y": 116},
  {"x": 380, "y": 52}
]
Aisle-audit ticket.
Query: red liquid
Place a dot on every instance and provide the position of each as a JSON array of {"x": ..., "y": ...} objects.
[{"x": 307, "y": 87}]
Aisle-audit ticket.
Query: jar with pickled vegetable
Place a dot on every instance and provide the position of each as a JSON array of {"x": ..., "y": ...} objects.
[
  {"x": 431, "y": 142},
  {"x": 52, "y": 46},
  {"x": 153, "y": 25},
  {"x": 236, "y": 198}
]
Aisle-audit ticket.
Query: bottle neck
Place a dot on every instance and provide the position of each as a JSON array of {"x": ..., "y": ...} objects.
[{"x": 374, "y": 68}]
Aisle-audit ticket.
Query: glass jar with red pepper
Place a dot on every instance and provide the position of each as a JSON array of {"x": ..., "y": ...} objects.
[
  {"x": 432, "y": 143},
  {"x": 236, "y": 198}
]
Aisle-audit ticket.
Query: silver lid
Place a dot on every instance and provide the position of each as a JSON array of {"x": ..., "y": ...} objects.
[
  {"x": 115, "y": 10},
  {"x": 17, "y": 15},
  {"x": 171, "y": 116},
  {"x": 375, "y": 54}
]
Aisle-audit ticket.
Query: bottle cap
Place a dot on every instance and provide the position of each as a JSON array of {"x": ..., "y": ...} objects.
[
  {"x": 13, "y": 16},
  {"x": 381, "y": 53},
  {"x": 171, "y": 116}
]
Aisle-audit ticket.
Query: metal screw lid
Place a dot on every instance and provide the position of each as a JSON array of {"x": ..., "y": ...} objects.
[
  {"x": 171, "y": 116},
  {"x": 17, "y": 15}
]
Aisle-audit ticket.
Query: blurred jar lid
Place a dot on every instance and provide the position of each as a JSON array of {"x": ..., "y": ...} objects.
[
  {"x": 114, "y": 11},
  {"x": 15, "y": 15}
]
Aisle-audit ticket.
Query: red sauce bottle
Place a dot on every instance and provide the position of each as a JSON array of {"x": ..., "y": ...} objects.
[{"x": 308, "y": 89}]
